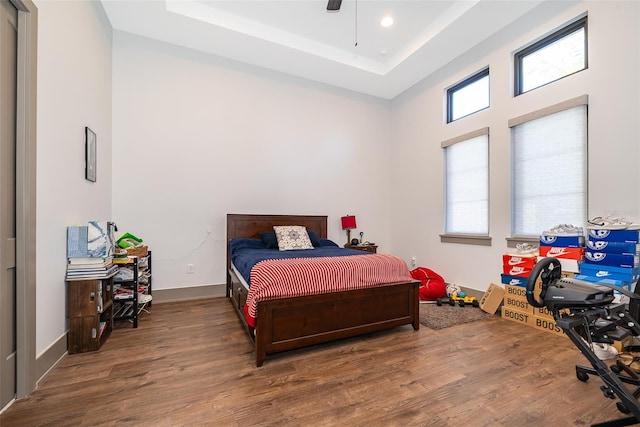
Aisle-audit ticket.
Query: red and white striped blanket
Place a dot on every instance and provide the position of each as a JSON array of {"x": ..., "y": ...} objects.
[{"x": 283, "y": 278}]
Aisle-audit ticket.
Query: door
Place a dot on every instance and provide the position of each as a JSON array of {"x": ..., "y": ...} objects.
[{"x": 8, "y": 84}]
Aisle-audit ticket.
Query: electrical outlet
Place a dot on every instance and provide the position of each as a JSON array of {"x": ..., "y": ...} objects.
[
  {"x": 189, "y": 268},
  {"x": 413, "y": 261}
]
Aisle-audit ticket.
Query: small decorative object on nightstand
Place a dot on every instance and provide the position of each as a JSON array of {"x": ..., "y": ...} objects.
[{"x": 364, "y": 247}]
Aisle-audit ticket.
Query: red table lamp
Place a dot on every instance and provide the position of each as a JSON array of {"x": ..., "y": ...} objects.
[{"x": 348, "y": 223}]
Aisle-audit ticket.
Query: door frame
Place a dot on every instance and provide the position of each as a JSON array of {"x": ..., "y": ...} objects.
[{"x": 26, "y": 372}]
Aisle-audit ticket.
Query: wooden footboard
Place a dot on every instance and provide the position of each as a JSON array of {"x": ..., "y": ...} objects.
[{"x": 290, "y": 323}]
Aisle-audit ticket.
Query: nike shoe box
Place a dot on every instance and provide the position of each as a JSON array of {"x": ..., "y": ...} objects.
[
  {"x": 613, "y": 247},
  {"x": 600, "y": 272},
  {"x": 616, "y": 283},
  {"x": 562, "y": 252},
  {"x": 625, "y": 236},
  {"x": 515, "y": 270},
  {"x": 513, "y": 280},
  {"x": 614, "y": 260},
  {"x": 561, "y": 241},
  {"x": 519, "y": 260}
]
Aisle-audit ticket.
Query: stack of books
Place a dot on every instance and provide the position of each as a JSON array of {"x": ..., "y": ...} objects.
[
  {"x": 91, "y": 268},
  {"x": 90, "y": 251}
]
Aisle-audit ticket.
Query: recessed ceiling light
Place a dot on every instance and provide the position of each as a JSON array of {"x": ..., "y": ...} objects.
[{"x": 387, "y": 21}]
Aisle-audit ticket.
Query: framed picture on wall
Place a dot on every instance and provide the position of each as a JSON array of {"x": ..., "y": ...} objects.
[{"x": 90, "y": 155}]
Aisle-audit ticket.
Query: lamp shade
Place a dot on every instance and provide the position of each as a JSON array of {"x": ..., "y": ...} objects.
[{"x": 348, "y": 222}]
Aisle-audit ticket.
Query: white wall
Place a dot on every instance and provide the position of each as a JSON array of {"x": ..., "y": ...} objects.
[
  {"x": 74, "y": 91},
  {"x": 418, "y": 128},
  {"x": 197, "y": 137}
]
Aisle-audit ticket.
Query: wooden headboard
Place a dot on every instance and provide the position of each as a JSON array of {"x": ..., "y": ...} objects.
[{"x": 250, "y": 225}]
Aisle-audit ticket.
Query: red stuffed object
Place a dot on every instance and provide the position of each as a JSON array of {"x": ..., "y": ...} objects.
[{"x": 433, "y": 285}]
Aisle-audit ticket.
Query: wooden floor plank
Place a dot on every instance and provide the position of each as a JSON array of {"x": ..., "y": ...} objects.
[{"x": 191, "y": 364}]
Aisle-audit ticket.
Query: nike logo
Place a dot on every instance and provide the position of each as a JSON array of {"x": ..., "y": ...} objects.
[
  {"x": 557, "y": 252},
  {"x": 516, "y": 270},
  {"x": 602, "y": 274},
  {"x": 515, "y": 260},
  {"x": 515, "y": 282}
]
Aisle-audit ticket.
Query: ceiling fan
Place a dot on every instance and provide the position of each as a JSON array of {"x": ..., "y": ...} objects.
[{"x": 334, "y": 5}]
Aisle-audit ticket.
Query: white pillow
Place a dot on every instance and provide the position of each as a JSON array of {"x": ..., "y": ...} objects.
[{"x": 292, "y": 237}]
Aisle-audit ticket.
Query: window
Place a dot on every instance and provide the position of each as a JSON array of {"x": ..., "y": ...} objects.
[
  {"x": 549, "y": 168},
  {"x": 468, "y": 96},
  {"x": 556, "y": 56},
  {"x": 467, "y": 184}
]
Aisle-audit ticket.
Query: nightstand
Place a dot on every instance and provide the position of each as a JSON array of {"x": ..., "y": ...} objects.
[{"x": 367, "y": 248}]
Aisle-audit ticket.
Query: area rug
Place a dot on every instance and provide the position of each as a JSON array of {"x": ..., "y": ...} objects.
[{"x": 444, "y": 316}]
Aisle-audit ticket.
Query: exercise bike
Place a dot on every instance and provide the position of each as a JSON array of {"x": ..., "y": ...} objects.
[{"x": 587, "y": 314}]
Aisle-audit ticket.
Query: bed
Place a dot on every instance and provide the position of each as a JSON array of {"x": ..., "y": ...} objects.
[{"x": 287, "y": 323}]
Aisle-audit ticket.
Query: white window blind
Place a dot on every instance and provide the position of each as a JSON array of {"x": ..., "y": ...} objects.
[
  {"x": 549, "y": 169},
  {"x": 467, "y": 185}
]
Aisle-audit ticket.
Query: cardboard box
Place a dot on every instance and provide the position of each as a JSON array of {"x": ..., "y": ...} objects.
[
  {"x": 520, "y": 261},
  {"x": 492, "y": 299},
  {"x": 515, "y": 291},
  {"x": 613, "y": 260},
  {"x": 542, "y": 312},
  {"x": 513, "y": 280},
  {"x": 562, "y": 252},
  {"x": 516, "y": 271},
  {"x": 626, "y": 236},
  {"x": 613, "y": 247},
  {"x": 622, "y": 344},
  {"x": 547, "y": 324},
  {"x": 629, "y": 275},
  {"x": 536, "y": 322},
  {"x": 562, "y": 241},
  {"x": 517, "y": 316},
  {"x": 515, "y": 297},
  {"x": 519, "y": 304}
]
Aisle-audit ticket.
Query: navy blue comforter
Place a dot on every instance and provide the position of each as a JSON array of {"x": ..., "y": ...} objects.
[{"x": 245, "y": 253}]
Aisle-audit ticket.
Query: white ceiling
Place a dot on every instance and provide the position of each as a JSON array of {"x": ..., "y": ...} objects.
[{"x": 299, "y": 37}]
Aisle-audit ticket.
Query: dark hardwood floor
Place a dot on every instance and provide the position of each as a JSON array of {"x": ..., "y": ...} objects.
[{"x": 191, "y": 364}]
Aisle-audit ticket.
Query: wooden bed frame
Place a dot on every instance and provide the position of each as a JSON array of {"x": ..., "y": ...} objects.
[{"x": 290, "y": 323}]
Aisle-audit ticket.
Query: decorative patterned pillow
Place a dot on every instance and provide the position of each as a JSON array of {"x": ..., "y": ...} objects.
[{"x": 292, "y": 237}]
